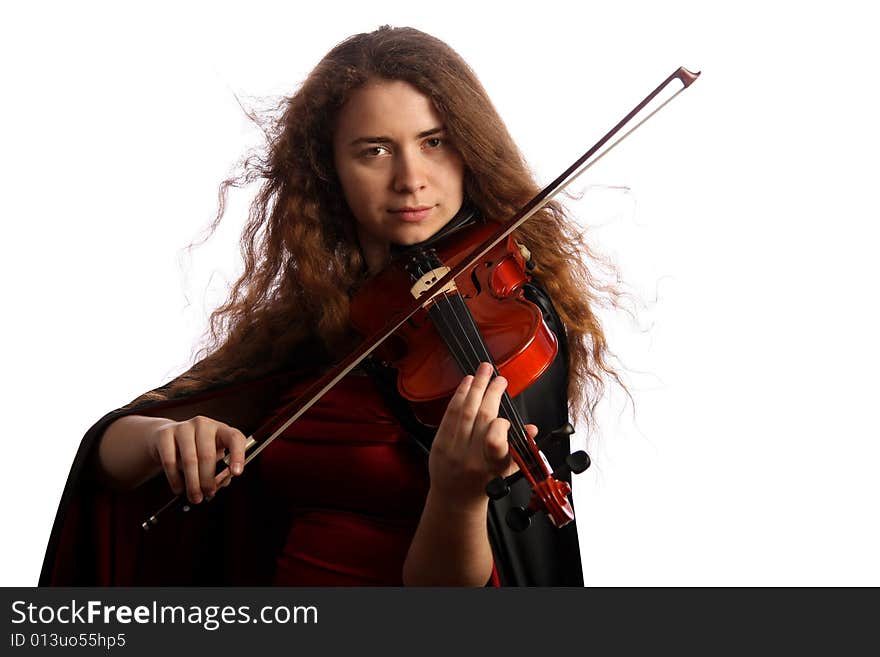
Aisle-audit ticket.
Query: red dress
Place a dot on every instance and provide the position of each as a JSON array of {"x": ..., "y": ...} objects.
[{"x": 354, "y": 484}]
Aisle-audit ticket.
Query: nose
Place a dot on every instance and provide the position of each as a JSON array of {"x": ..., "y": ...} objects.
[{"x": 409, "y": 172}]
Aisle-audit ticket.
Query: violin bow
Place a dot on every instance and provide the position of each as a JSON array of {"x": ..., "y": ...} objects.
[{"x": 291, "y": 412}]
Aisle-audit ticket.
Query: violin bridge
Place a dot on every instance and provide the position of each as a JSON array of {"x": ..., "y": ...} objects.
[
  {"x": 421, "y": 286},
  {"x": 524, "y": 251}
]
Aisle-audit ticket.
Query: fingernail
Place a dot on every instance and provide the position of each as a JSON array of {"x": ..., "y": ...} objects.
[{"x": 236, "y": 468}]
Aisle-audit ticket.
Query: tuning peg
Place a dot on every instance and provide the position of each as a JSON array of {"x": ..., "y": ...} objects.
[
  {"x": 547, "y": 439},
  {"x": 519, "y": 518},
  {"x": 498, "y": 487},
  {"x": 575, "y": 462}
]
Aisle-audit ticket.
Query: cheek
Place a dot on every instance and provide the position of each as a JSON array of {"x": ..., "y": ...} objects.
[
  {"x": 456, "y": 174},
  {"x": 358, "y": 194},
  {"x": 348, "y": 181}
]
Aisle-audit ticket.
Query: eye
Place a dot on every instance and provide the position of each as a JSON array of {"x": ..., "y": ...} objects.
[
  {"x": 374, "y": 151},
  {"x": 434, "y": 142}
]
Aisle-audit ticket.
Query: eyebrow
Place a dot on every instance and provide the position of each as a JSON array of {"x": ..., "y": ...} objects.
[{"x": 387, "y": 140}]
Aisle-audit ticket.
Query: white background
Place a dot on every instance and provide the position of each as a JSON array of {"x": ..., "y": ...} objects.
[{"x": 744, "y": 217}]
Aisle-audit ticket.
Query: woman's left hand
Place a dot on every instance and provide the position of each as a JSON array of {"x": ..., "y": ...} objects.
[{"x": 471, "y": 447}]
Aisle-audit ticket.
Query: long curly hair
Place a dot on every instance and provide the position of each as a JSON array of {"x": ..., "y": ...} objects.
[{"x": 301, "y": 256}]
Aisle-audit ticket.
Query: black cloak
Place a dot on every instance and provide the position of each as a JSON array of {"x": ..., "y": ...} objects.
[{"x": 97, "y": 539}]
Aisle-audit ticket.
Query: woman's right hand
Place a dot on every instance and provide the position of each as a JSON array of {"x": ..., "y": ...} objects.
[
  {"x": 134, "y": 448},
  {"x": 188, "y": 452}
]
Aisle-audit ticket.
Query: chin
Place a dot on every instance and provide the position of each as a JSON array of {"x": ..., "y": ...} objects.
[
  {"x": 416, "y": 235},
  {"x": 409, "y": 240}
]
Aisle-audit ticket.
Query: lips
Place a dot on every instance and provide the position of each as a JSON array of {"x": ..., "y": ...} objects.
[{"x": 412, "y": 213}]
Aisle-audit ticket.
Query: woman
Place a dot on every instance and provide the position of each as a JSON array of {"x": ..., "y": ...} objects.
[{"x": 389, "y": 142}]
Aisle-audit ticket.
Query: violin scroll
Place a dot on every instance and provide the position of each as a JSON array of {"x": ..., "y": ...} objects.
[{"x": 519, "y": 518}]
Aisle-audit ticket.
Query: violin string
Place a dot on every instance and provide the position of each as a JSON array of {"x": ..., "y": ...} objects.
[
  {"x": 478, "y": 353},
  {"x": 467, "y": 328},
  {"x": 469, "y": 358},
  {"x": 472, "y": 328},
  {"x": 466, "y": 358},
  {"x": 468, "y": 348},
  {"x": 510, "y": 410}
]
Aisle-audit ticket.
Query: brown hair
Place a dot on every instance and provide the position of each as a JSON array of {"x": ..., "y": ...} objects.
[{"x": 301, "y": 256}]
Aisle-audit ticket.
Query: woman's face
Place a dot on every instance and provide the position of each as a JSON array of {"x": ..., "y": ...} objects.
[{"x": 402, "y": 179}]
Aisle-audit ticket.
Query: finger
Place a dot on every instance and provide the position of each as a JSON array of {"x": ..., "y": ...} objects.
[
  {"x": 234, "y": 441},
  {"x": 489, "y": 405},
  {"x": 482, "y": 378},
  {"x": 532, "y": 432},
  {"x": 448, "y": 425},
  {"x": 461, "y": 393},
  {"x": 184, "y": 434},
  {"x": 496, "y": 449},
  {"x": 167, "y": 451},
  {"x": 474, "y": 398},
  {"x": 206, "y": 445},
  {"x": 221, "y": 480}
]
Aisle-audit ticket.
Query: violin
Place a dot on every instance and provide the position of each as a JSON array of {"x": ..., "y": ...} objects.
[
  {"x": 456, "y": 287},
  {"x": 482, "y": 317}
]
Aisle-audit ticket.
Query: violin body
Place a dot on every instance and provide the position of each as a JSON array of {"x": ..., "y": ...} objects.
[
  {"x": 482, "y": 316},
  {"x": 513, "y": 329}
]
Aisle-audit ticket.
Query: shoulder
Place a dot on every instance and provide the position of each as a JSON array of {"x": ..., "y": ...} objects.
[{"x": 535, "y": 292}]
